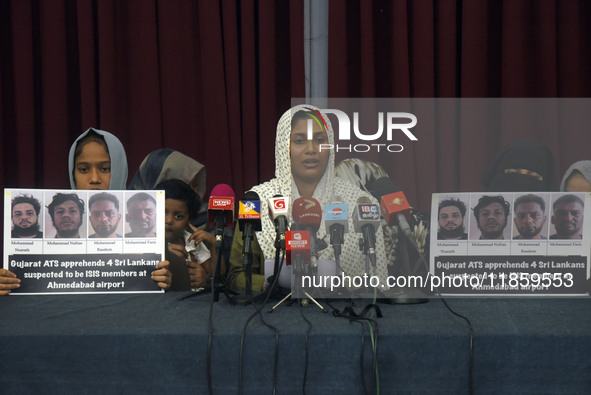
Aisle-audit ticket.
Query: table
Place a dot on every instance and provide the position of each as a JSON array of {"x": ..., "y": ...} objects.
[{"x": 156, "y": 343}]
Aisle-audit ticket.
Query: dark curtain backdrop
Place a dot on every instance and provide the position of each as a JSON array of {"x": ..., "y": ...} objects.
[
  {"x": 208, "y": 78},
  {"x": 467, "y": 49},
  {"x": 211, "y": 78}
]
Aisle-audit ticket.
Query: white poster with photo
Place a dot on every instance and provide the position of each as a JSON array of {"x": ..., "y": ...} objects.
[
  {"x": 513, "y": 243},
  {"x": 78, "y": 241}
]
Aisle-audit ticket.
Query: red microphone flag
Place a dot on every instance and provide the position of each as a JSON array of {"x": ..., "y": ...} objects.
[
  {"x": 393, "y": 204},
  {"x": 298, "y": 244}
]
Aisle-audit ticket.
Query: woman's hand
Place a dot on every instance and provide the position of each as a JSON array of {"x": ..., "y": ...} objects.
[
  {"x": 162, "y": 276},
  {"x": 197, "y": 275},
  {"x": 8, "y": 281},
  {"x": 179, "y": 250}
]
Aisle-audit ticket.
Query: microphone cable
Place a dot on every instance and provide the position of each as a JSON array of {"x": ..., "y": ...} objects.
[
  {"x": 210, "y": 318},
  {"x": 352, "y": 317},
  {"x": 306, "y": 347},
  {"x": 243, "y": 332},
  {"x": 412, "y": 240},
  {"x": 470, "y": 329},
  {"x": 276, "y": 357},
  {"x": 372, "y": 324},
  {"x": 362, "y": 356},
  {"x": 210, "y": 321},
  {"x": 374, "y": 344}
]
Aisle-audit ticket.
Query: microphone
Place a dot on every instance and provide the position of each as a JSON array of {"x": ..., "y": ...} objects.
[
  {"x": 307, "y": 215},
  {"x": 336, "y": 220},
  {"x": 366, "y": 220},
  {"x": 220, "y": 211},
  {"x": 249, "y": 220},
  {"x": 298, "y": 248},
  {"x": 393, "y": 205},
  {"x": 299, "y": 255},
  {"x": 396, "y": 211},
  {"x": 278, "y": 212}
]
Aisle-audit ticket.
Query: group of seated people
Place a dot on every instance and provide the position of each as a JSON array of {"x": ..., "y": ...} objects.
[{"x": 97, "y": 160}]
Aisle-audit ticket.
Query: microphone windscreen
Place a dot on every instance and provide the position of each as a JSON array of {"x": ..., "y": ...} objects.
[
  {"x": 307, "y": 211},
  {"x": 221, "y": 200},
  {"x": 251, "y": 195},
  {"x": 382, "y": 186},
  {"x": 223, "y": 190},
  {"x": 338, "y": 200},
  {"x": 363, "y": 200}
]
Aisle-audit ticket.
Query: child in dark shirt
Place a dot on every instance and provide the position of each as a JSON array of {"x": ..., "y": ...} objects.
[{"x": 183, "y": 239}]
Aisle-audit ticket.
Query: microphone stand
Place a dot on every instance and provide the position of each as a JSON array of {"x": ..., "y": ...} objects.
[
  {"x": 405, "y": 295},
  {"x": 247, "y": 298},
  {"x": 408, "y": 296},
  {"x": 337, "y": 239},
  {"x": 298, "y": 271},
  {"x": 279, "y": 246},
  {"x": 247, "y": 258},
  {"x": 368, "y": 246},
  {"x": 218, "y": 283},
  {"x": 273, "y": 287}
]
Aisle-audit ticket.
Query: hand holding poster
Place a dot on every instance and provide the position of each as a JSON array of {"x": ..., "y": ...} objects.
[{"x": 83, "y": 241}]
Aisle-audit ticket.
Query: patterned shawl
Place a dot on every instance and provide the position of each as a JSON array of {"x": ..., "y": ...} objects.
[{"x": 329, "y": 190}]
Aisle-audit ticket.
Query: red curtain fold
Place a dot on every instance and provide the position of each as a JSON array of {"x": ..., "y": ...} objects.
[
  {"x": 466, "y": 49},
  {"x": 209, "y": 78}
]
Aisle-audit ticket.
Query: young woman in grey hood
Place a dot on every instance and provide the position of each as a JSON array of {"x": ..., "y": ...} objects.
[{"x": 97, "y": 160}]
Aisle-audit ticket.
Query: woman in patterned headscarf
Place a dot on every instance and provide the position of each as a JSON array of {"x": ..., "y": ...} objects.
[
  {"x": 303, "y": 170},
  {"x": 167, "y": 164}
]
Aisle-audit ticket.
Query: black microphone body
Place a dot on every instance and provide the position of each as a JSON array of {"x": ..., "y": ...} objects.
[
  {"x": 336, "y": 220},
  {"x": 369, "y": 235},
  {"x": 281, "y": 226},
  {"x": 249, "y": 220},
  {"x": 366, "y": 219},
  {"x": 219, "y": 224},
  {"x": 405, "y": 227},
  {"x": 278, "y": 211},
  {"x": 337, "y": 238}
]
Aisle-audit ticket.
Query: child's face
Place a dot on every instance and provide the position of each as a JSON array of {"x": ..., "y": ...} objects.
[
  {"x": 176, "y": 220},
  {"x": 92, "y": 168}
]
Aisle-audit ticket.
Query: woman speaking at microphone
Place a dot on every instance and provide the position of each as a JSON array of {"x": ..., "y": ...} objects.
[{"x": 303, "y": 169}]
